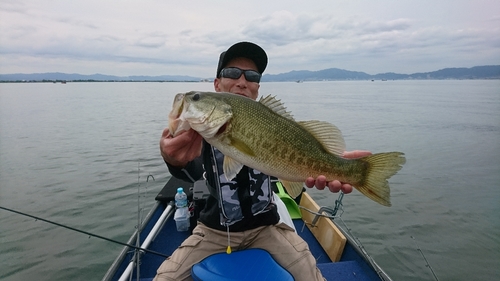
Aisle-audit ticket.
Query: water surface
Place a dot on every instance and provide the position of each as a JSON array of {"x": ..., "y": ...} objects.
[{"x": 78, "y": 154}]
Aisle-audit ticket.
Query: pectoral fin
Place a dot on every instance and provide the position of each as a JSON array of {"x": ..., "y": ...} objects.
[
  {"x": 241, "y": 146},
  {"x": 231, "y": 167},
  {"x": 293, "y": 188}
]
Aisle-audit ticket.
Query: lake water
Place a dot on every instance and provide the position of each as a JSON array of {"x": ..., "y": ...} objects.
[{"x": 78, "y": 153}]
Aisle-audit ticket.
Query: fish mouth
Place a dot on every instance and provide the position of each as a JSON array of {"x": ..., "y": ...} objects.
[
  {"x": 174, "y": 120},
  {"x": 180, "y": 119},
  {"x": 222, "y": 129}
]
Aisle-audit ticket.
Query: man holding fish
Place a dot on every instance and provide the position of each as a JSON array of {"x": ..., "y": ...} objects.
[{"x": 241, "y": 206}]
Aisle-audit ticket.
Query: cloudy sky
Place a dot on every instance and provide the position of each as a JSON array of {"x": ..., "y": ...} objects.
[{"x": 161, "y": 37}]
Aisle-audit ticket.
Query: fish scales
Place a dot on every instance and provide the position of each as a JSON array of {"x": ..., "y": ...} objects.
[{"x": 265, "y": 130}]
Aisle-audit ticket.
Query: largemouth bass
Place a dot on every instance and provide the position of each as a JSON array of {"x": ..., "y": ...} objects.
[{"x": 263, "y": 135}]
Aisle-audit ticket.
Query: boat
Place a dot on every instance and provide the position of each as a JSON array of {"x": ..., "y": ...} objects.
[{"x": 339, "y": 255}]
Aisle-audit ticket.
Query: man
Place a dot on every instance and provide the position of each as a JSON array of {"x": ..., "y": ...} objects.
[{"x": 252, "y": 220}]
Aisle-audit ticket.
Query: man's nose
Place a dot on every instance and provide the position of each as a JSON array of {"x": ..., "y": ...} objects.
[{"x": 242, "y": 81}]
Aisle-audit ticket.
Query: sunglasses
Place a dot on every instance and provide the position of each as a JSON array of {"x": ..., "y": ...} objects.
[{"x": 235, "y": 73}]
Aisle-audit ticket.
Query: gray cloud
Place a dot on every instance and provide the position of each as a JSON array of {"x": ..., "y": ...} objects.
[{"x": 154, "y": 37}]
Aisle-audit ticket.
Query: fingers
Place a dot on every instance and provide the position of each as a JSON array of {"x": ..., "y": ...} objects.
[
  {"x": 310, "y": 182},
  {"x": 165, "y": 133},
  {"x": 346, "y": 188},
  {"x": 319, "y": 182},
  {"x": 356, "y": 154},
  {"x": 179, "y": 150},
  {"x": 334, "y": 186}
]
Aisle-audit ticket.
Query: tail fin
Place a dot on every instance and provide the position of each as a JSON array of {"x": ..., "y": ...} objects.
[{"x": 381, "y": 167}]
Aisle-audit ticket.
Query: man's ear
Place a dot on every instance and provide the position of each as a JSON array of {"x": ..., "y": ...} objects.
[{"x": 216, "y": 84}]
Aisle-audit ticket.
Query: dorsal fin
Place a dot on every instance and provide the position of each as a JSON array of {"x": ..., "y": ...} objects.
[
  {"x": 327, "y": 134},
  {"x": 276, "y": 105}
]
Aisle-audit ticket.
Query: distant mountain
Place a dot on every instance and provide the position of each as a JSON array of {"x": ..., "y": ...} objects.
[
  {"x": 477, "y": 72},
  {"x": 57, "y": 76},
  {"x": 325, "y": 74}
]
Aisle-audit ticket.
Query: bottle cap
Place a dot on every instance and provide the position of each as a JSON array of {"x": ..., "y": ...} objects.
[{"x": 180, "y": 190}]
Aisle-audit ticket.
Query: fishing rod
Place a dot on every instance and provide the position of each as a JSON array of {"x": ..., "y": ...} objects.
[
  {"x": 85, "y": 232},
  {"x": 422, "y": 253}
]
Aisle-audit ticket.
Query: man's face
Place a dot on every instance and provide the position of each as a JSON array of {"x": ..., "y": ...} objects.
[{"x": 238, "y": 86}]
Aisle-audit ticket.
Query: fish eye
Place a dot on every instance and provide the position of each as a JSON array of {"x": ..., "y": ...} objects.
[{"x": 196, "y": 97}]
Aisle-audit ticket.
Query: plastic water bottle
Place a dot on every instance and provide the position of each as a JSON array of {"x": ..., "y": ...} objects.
[{"x": 181, "y": 215}]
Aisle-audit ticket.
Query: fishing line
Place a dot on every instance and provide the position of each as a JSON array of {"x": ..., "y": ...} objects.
[
  {"x": 85, "y": 232},
  {"x": 422, "y": 253}
]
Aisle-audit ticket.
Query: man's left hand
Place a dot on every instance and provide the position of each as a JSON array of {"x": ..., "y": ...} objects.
[{"x": 335, "y": 185}]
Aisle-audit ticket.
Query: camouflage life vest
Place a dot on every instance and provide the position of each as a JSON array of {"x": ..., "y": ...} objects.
[{"x": 249, "y": 186}]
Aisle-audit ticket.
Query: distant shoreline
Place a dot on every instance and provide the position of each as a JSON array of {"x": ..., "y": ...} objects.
[
  {"x": 330, "y": 74},
  {"x": 168, "y": 81},
  {"x": 97, "y": 81}
]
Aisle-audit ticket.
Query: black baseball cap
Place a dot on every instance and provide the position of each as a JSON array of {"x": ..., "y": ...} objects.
[{"x": 246, "y": 50}]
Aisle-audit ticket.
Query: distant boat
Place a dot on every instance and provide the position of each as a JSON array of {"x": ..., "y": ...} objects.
[{"x": 63, "y": 82}]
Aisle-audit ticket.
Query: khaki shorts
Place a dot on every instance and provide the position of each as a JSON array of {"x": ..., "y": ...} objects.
[{"x": 281, "y": 241}]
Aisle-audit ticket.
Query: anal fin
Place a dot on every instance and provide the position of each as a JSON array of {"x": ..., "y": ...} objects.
[{"x": 293, "y": 188}]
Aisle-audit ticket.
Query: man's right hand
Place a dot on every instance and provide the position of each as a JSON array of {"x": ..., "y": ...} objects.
[{"x": 180, "y": 150}]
